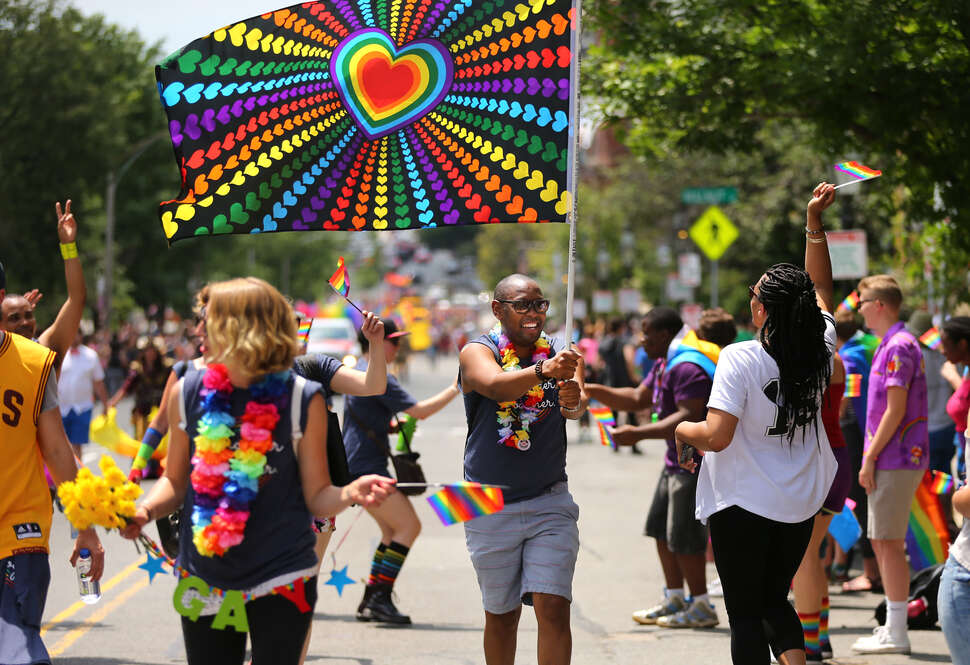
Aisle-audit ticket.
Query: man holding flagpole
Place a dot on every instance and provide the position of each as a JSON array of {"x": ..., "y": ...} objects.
[{"x": 519, "y": 388}]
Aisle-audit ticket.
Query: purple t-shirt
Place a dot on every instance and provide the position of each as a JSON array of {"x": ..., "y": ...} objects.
[
  {"x": 898, "y": 361},
  {"x": 684, "y": 381}
]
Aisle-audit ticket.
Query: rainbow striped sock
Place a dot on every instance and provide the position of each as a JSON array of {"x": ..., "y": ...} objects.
[
  {"x": 375, "y": 567},
  {"x": 394, "y": 557},
  {"x": 823, "y": 626},
  {"x": 810, "y": 629}
]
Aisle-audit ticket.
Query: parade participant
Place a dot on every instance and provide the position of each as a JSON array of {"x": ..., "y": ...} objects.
[
  {"x": 31, "y": 435},
  {"x": 955, "y": 337},
  {"x": 811, "y": 583},
  {"x": 258, "y": 542},
  {"x": 954, "y": 594},
  {"x": 896, "y": 452},
  {"x": 519, "y": 388},
  {"x": 617, "y": 354},
  {"x": 769, "y": 465},
  {"x": 146, "y": 380},
  {"x": 942, "y": 431},
  {"x": 367, "y": 422},
  {"x": 17, "y": 312},
  {"x": 675, "y": 394},
  {"x": 81, "y": 379}
]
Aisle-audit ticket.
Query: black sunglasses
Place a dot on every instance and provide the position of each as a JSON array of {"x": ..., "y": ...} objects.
[
  {"x": 753, "y": 293},
  {"x": 540, "y": 305}
]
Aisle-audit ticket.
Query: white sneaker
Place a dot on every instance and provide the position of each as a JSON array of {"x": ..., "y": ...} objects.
[
  {"x": 714, "y": 589},
  {"x": 669, "y": 606},
  {"x": 880, "y": 642}
]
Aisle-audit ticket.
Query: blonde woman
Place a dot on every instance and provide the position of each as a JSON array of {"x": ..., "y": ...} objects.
[{"x": 247, "y": 455}]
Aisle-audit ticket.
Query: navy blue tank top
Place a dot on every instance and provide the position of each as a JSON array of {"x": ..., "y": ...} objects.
[
  {"x": 277, "y": 539},
  {"x": 527, "y": 473}
]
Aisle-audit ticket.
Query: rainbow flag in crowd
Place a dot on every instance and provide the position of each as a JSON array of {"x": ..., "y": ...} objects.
[
  {"x": 853, "y": 385},
  {"x": 931, "y": 338},
  {"x": 461, "y": 502},
  {"x": 303, "y": 330},
  {"x": 927, "y": 539},
  {"x": 692, "y": 349},
  {"x": 857, "y": 171},
  {"x": 603, "y": 416},
  {"x": 850, "y": 304},
  {"x": 340, "y": 280}
]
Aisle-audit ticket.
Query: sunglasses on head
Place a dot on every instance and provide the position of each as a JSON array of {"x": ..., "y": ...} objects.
[{"x": 539, "y": 305}]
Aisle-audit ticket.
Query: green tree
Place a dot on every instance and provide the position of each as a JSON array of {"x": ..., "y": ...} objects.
[{"x": 883, "y": 79}]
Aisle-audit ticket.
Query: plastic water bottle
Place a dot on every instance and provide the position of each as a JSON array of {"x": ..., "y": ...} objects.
[{"x": 90, "y": 589}]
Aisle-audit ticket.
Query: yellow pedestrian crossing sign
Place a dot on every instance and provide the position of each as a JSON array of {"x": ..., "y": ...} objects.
[{"x": 713, "y": 232}]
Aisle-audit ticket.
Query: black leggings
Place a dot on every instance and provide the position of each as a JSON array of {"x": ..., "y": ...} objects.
[
  {"x": 277, "y": 628},
  {"x": 756, "y": 559}
]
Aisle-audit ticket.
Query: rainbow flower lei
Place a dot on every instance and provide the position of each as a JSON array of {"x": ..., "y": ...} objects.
[
  {"x": 515, "y": 417},
  {"x": 225, "y": 475}
]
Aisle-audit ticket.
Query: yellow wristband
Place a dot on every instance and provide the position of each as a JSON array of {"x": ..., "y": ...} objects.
[{"x": 69, "y": 250}]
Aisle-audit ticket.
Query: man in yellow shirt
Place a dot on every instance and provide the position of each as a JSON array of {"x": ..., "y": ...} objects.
[{"x": 31, "y": 435}]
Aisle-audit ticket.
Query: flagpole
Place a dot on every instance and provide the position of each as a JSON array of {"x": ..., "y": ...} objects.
[
  {"x": 853, "y": 182},
  {"x": 574, "y": 130}
]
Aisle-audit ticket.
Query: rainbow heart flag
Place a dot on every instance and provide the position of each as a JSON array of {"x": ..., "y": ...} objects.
[
  {"x": 931, "y": 338},
  {"x": 340, "y": 280},
  {"x": 853, "y": 385},
  {"x": 460, "y": 502},
  {"x": 850, "y": 304},
  {"x": 603, "y": 416},
  {"x": 928, "y": 539},
  {"x": 857, "y": 171},
  {"x": 352, "y": 115}
]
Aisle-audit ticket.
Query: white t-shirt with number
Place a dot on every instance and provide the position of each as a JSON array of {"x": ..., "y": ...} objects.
[{"x": 760, "y": 471}]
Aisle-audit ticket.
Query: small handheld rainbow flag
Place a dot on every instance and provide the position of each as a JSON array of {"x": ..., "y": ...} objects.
[
  {"x": 340, "y": 280},
  {"x": 460, "y": 502},
  {"x": 851, "y": 303},
  {"x": 858, "y": 172},
  {"x": 303, "y": 330},
  {"x": 604, "y": 418},
  {"x": 928, "y": 539},
  {"x": 853, "y": 385},
  {"x": 931, "y": 338}
]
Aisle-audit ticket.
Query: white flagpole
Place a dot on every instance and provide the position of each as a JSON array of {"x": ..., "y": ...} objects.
[
  {"x": 574, "y": 179},
  {"x": 853, "y": 182}
]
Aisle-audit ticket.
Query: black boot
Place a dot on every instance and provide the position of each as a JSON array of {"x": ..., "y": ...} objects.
[
  {"x": 380, "y": 607},
  {"x": 362, "y": 613}
]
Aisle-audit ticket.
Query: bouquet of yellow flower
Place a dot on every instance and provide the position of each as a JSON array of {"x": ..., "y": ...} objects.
[{"x": 108, "y": 501}]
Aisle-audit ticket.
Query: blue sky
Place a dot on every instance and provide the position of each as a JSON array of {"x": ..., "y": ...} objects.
[{"x": 176, "y": 22}]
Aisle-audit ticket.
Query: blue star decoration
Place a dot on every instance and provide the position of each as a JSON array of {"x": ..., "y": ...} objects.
[
  {"x": 154, "y": 566},
  {"x": 339, "y": 579}
]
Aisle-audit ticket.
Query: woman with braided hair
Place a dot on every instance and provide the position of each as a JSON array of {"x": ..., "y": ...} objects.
[{"x": 769, "y": 465}]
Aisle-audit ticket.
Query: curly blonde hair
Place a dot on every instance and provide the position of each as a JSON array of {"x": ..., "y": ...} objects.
[{"x": 251, "y": 324}]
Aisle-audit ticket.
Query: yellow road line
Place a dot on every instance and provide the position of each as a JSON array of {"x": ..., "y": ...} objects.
[
  {"x": 78, "y": 605},
  {"x": 88, "y": 623}
]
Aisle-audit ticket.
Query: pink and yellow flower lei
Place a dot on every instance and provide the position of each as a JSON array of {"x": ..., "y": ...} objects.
[
  {"x": 515, "y": 417},
  {"x": 225, "y": 475}
]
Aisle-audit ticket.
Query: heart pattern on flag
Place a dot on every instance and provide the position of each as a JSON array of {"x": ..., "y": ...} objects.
[{"x": 385, "y": 87}]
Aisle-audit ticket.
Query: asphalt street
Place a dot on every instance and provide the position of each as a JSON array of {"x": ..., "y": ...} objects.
[{"x": 617, "y": 573}]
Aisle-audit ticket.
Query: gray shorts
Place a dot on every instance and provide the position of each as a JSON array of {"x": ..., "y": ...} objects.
[
  {"x": 671, "y": 517},
  {"x": 24, "y": 579},
  {"x": 528, "y": 547},
  {"x": 891, "y": 502}
]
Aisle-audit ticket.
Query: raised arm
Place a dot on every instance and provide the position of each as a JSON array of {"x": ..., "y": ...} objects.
[
  {"x": 60, "y": 335},
  {"x": 480, "y": 373},
  {"x": 430, "y": 406},
  {"x": 818, "y": 263},
  {"x": 348, "y": 381}
]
